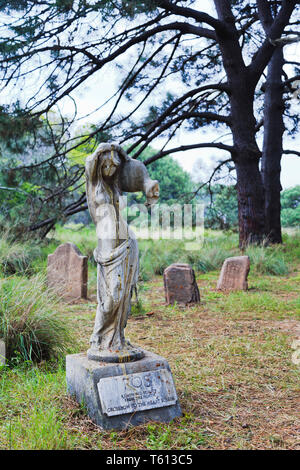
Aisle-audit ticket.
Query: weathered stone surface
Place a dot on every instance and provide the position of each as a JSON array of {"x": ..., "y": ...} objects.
[
  {"x": 120, "y": 395},
  {"x": 2, "y": 352},
  {"x": 110, "y": 171},
  {"x": 180, "y": 284},
  {"x": 137, "y": 392},
  {"x": 67, "y": 272},
  {"x": 234, "y": 273}
]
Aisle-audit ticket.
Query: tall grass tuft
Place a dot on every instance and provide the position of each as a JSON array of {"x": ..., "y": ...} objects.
[
  {"x": 17, "y": 258},
  {"x": 30, "y": 323},
  {"x": 156, "y": 255},
  {"x": 267, "y": 260}
]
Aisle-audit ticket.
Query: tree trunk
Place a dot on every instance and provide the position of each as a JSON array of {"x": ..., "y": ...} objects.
[
  {"x": 249, "y": 180},
  {"x": 272, "y": 146},
  {"x": 250, "y": 201},
  {"x": 242, "y": 122}
]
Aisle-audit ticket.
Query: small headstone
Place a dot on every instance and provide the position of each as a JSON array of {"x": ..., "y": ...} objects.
[
  {"x": 234, "y": 273},
  {"x": 180, "y": 284},
  {"x": 2, "y": 352},
  {"x": 67, "y": 272}
]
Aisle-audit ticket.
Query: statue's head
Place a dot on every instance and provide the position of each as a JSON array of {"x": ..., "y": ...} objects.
[
  {"x": 110, "y": 161},
  {"x": 110, "y": 157}
]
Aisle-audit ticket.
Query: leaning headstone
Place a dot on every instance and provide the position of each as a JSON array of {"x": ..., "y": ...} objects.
[
  {"x": 2, "y": 352},
  {"x": 234, "y": 273},
  {"x": 180, "y": 284},
  {"x": 67, "y": 272}
]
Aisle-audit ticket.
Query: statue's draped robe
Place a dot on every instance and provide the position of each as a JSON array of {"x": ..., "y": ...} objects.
[{"x": 117, "y": 275}]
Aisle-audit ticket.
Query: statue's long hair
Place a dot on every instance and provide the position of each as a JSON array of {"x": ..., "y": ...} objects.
[{"x": 103, "y": 188}]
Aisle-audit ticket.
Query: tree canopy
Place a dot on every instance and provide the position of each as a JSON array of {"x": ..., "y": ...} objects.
[{"x": 179, "y": 67}]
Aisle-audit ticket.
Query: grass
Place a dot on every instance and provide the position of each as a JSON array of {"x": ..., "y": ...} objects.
[
  {"x": 30, "y": 324},
  {"x": 230, "y": 355},
  {"x": 17, "y": 257}
]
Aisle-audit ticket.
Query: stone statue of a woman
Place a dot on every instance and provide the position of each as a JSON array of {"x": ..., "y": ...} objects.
[{"x": 109, "y": 172}]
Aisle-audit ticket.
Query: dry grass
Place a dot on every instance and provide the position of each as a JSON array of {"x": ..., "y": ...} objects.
[{"x": 230, "y": 357}]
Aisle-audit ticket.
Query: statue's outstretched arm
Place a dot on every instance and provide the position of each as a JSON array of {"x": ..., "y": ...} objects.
[{"x": 134, "y": 177}]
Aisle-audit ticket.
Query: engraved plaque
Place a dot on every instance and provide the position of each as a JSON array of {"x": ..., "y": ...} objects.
[{"x": 136, "y": 392}]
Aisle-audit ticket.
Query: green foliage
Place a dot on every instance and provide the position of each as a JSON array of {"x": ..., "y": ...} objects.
[
  {"x": 34, "y": 417},
  {"x": 37, "y": 190},
  {"x": 17, "y": 258},
  {"x": 157, "y": 255},
  {"x": 30, "y": 323},
  {"x": 268, "y": 260},
  {"x": 221, "y": 211},
  {"x": 14, "y": 124},
  {"x": 174, "y": 183},
  {"x": 290, "y": 207}
]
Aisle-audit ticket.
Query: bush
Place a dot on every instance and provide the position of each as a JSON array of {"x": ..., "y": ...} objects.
[
  {"x": 267, "y": 260},
  {"x": 156, "y": 255},
  {"x": 17, "y": 258},
  {"x": 30, "y": 323}
]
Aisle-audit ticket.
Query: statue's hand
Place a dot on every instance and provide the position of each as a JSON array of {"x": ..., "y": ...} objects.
[{"x": 152, "y": 192}]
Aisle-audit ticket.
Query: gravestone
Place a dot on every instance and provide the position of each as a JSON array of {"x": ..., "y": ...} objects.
[
  {"x": 180, "y": 284},
  {"x": 67, "y": 272},
  {"x": 234, "y": 274},
  {"x": 2, "y": 352}
]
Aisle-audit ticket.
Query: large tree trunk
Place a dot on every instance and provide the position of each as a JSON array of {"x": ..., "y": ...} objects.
[
  {"x": 247, "y": 154},
  {"x": 249, "y": 181},
  {"x": 272, "y": 146},
  {"x": 250, "y": 201}
]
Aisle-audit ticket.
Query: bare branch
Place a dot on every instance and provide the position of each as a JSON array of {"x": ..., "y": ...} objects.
[
  {"x": 264, "y": 53},
  {"x": 294, "y": 152},
  {"x": 199, "y": 16},
  {"x": 183, "y": 148}
]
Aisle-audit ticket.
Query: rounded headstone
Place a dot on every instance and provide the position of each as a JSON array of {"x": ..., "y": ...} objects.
[{"x": 67, "y": 272}]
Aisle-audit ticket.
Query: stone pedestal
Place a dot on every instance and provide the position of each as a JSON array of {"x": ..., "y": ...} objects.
[
  {"x": 67, "y": 272},
  {"x": 120, "y": 395},
  {"x": 234, "y": 274},
  {"x": 180, "y": 284}
]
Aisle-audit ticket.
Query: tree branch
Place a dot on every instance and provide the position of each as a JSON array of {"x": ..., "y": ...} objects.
[
  {"x": 265, "y": 52},
  {"x": 294, "y": 152},
  {"x": 199, "y": 16},
  {"x": 183, "y": 148},
  {"x": 184, "y": 28},
  {"x": 182, "y": 117}
]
